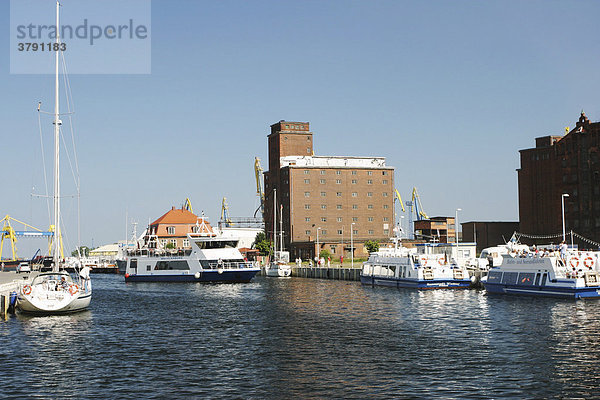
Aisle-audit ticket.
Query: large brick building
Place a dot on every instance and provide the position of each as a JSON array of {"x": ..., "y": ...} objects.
[
  {"x": 568, "y": 164},
  {"x": 326, "y": 197}
]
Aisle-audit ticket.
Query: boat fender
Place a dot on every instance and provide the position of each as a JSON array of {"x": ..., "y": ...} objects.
[
  {"x": 127, "y": 275},
  {"x": 574, "y": 262},
  {"x": 197, "y": 275},
  {"x": 73, "y": 289},
  {"x": 220, "y": 270},
  {"x": 588, "y": 262},
  {"x": 27, "y": 290}
]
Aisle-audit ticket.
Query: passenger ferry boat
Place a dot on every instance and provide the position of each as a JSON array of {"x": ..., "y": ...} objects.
[
  {"x": 401, "y": 267},
  {"x": 211, "y": 259},
  {"x": 576, "y": 276}
]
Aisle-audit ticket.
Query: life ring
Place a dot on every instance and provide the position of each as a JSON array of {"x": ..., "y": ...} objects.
[
  {"x": 424, "y": 261},
  {"x": 73, "y": 289},
  {"x": 574, "y": 261},
  {"x": 588, "y": 262},
  {"x": 27, "y": 290},
  {"x": 441, "y": 261}
]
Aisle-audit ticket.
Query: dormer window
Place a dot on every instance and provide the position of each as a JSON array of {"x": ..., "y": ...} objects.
[{"x": 171, "y": 230}]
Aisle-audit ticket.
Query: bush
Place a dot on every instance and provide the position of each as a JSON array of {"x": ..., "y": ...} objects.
[
  {"x": 324, "y": 254},
  {"x": 372, "y": 245}
]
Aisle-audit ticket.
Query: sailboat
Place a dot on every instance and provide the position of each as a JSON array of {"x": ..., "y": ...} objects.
[
  {"x": 279, "y": 266},
  {"x": 56, "y": 291}
]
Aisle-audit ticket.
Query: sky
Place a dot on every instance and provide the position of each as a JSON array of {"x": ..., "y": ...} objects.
[{"x": 447, "y": 91}]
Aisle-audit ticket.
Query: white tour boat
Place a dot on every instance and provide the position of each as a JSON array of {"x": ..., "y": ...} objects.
[
  {"x": 211, "y": 258},
  {"x": 56, "y": 292},
  {"x": 402, "y": 267}
]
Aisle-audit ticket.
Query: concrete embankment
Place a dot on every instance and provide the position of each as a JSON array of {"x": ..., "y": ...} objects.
[
  {"x": 343, "y": 274},
  {"x": 9, "y": 282}
]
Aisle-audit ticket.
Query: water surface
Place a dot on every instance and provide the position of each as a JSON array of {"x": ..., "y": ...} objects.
[{"x": 303, "y": 338}]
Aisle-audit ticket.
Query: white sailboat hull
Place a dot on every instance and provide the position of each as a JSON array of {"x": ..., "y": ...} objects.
[
  {"x": 48, "y": 303},
  {"x": 54, "y": 293},
  {"x": 278, "y": 270}
]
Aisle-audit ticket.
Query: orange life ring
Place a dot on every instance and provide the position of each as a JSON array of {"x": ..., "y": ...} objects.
[
  {"x": 73, "y": 289},
  {"x": 441, "y": 261},
  {"x": 27, "y": 290},
  {"x": 424, "y": 261},
  {"x": 575, "y": 263},
  {"x": 588, "y": 262}
]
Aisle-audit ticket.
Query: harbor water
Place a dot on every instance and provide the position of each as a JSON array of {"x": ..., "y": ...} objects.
[{"x": 303, "y": 338}]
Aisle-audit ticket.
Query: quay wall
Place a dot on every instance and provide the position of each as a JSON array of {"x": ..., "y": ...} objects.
[{"x": 343, "y": 274}]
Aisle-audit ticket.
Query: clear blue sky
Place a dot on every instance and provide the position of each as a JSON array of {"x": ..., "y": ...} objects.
[{"x": 447, "y": 91}]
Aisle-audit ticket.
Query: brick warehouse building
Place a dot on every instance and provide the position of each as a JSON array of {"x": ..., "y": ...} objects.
[
  {"x": 326, "y": 196},
  {"x": 562, "y": 164}
]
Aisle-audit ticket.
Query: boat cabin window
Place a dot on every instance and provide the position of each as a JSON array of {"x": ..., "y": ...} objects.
[
  {"x": 217, "y": 244},
  {"x": 537, "y": 279},
  {"x": 494, "y": 277},
  {"x": 526, "y": 278},
  {"x": 510, "y": 278},
  {"x": 133, "y": 264},
  {"x": 172, "y": 265}
]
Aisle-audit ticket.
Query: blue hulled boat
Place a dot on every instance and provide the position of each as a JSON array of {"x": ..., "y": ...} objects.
[
  {"x": 574, "y": 275},
  {"x": 405, "y": 268}
]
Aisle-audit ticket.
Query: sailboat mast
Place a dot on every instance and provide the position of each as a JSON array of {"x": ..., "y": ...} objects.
[
  {"x": 57, "y": 123},
  {"x": 281, "y": 228},
  {"x": 275, "y": 220}
]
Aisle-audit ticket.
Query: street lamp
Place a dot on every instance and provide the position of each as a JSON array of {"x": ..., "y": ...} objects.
[
  {"x": 317, "y": 253},
  {"x": 562, "y": 198},
  {"x": 456, "y": 226},
  {"x": 352, "y": 243}
]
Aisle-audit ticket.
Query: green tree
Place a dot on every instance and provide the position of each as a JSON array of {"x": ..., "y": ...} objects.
[
  {"x": 372, "y": 245},
  {"x": 324, "y": 254},
  {"x": 262, "y": 244},
  {"x": 170, "y": 246},
  {"x": 83, "y": 250}
]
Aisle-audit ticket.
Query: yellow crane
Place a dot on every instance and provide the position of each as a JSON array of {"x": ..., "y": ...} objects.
[
  {"x": 258, "y": 171},
  {"x": 225, "y": 213},
  {"x": 187, "y": 205},
  {"x": 418, "y": 206},
  {"x": 399, "y": 198},
  {"x": 9, "y": 233}
]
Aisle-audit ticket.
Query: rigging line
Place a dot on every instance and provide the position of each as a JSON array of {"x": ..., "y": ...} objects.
[
  {"x": 44, "y": 168},
  {"x": 71, "y": 110},
  {"x": 70, "y": 163}
]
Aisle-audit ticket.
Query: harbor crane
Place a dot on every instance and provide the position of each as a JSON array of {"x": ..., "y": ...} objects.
[
  {"x": 225, "y": 214},
  {"x": 419, "y": 212},
  {"x": 9, "y": 233},
  {"x": 187, "y": 205},
  {"x": 258, "y": 172}
]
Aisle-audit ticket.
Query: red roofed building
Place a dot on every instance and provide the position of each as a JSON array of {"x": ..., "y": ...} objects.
[{"x": 175, "y": 224}]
